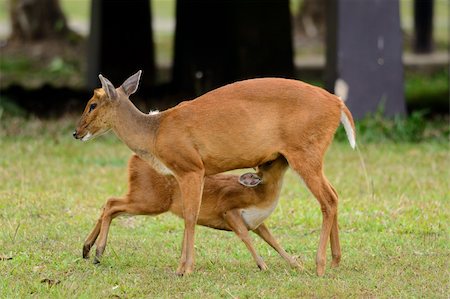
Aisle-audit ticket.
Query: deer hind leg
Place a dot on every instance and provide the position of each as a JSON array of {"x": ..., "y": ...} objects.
[
  {"x": 236, "y": 223},
  {"x": 267, "y": 236},
  {"x": 334, "y": 239},
  {"x": 310, "y": 169},
  {"x": 191, "y": 187}
]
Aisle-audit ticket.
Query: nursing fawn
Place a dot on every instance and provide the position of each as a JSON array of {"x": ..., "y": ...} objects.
[
  {"x": 240, "y": 125},
  {"x": 229, "y": 202}
]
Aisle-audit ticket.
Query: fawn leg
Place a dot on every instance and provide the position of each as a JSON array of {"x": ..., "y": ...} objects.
[
  {"x": 236, "y": 223},
  {"x": 90, "y": 240},
  {"x": 92, "y": 237},
  {"x": 267, "y": 236},
  {"x": 113, "y": 208}
]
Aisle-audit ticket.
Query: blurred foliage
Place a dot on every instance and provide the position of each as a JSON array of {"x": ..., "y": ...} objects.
[
  {"x": 33, "y": 72},
  {"x": 423, "y": 90},
  {"x": 9, "y": 108},
  {"x": 416, "y": 127}
]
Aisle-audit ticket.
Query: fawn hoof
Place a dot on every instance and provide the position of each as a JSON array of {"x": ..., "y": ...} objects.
[
  {"x": 295, "y": 264},
  {"x": 86, "y": 250},
  {"x": 262, "y": 265},
  {"x": 96, "y": 261},
  {"x": 180, "y": 270},
  {"x": 184, "y": 270}
]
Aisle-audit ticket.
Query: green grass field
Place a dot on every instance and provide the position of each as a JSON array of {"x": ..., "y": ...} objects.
[{"x": 393, "y": 224}]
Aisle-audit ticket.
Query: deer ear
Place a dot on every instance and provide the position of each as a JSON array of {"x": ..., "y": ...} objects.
[
  {"x": 131, "y": 84},
  {"x": 108, "y": 87},
  {"x": 249, "y": 180}
]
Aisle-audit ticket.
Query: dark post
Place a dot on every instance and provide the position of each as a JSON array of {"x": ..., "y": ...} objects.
[
  {"x": 218, "y": 42},
  {"x": 364, "y": 54},
  {"x": 423, "y": 26},
  {"x": 120, "y": 41},
  {"x": 264, "y": 39},
  {"x": 204, "y": 44}
]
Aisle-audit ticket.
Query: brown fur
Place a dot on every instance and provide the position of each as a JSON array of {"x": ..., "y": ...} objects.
[
  {"x": 240, "y": 125},
  {"x": 223, "y": 199}
]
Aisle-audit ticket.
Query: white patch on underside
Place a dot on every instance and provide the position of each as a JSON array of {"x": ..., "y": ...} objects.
[
  {"x": 254, "y": 216},
  {"x": 154, "y": 162}
]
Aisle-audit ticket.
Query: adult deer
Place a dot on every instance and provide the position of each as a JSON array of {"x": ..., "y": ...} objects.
[
  {"x": 229, "y": 202},
  {"x": 240, "y": 125}
]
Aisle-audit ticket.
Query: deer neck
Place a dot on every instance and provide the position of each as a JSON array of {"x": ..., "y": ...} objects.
[{"x": 136, "y": 129}]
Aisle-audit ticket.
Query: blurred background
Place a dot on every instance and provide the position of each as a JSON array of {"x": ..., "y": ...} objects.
[{"x": 384, "y": 57}]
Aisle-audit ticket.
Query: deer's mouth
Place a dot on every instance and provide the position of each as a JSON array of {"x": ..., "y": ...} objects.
[
  {"x": 82, "y": 134},
  {"x": 87, "y": 136}
]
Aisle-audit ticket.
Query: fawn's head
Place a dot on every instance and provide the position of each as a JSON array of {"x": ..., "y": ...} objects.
[
  {"x": 100, "y": 110},
  {"x": 269, "y": 172}
]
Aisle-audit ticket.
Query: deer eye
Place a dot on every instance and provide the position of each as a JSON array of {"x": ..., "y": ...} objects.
[{"x": 92, "y": 107}]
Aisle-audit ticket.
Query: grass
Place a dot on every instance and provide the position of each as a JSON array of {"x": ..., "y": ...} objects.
[{"x": 394, "y": 225}]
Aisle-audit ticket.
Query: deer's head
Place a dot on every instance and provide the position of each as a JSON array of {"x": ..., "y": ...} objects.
[{"x": 98, "y": 115}]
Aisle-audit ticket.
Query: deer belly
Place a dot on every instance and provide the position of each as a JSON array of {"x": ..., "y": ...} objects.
[{"x": 253, "y": 216}]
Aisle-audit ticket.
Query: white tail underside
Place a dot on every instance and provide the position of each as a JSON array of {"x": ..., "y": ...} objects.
[{"x": 348, "y": 129}]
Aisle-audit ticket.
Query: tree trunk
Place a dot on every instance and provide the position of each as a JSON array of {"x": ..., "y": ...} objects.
[
  {"x": 218, "y": 42},
  {"x": 34, "y": 20},
  {"x": 423, "y": 26},
  {"x": 121, "y": 42}
]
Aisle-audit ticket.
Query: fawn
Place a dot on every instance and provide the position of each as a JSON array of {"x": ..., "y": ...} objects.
[
  {"x": 240, "y": 125},
  {"x": 229, "y": 202}
]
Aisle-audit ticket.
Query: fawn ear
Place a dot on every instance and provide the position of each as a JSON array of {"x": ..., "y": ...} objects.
[
  {"x": 131, "y": 84},
  {"x": 249, "y": 180},
  {"x": 108, "y": 87}
]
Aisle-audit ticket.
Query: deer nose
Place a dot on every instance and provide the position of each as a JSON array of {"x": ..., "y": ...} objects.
[{"x": 74, "y": 134}]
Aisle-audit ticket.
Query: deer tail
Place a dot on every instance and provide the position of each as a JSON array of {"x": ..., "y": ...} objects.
[{"x": 349, "y": 125}]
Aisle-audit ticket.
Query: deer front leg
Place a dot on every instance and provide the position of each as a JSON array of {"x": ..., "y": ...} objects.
[{"x": 191, "y": 187}]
